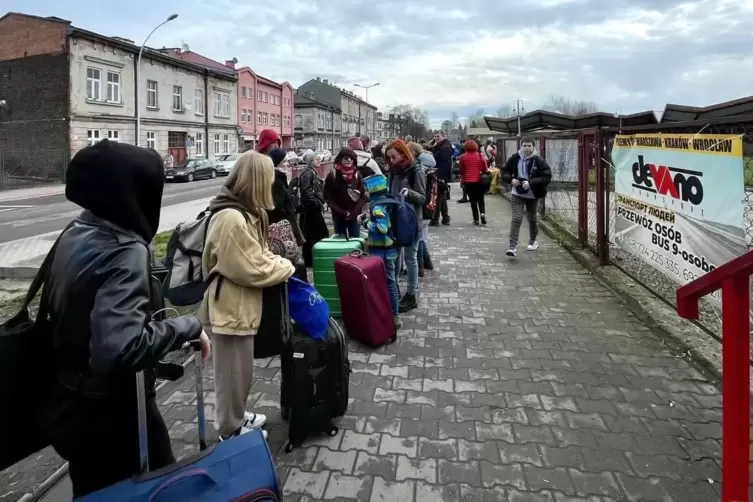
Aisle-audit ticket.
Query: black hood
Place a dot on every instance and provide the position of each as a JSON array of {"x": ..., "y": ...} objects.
[{"x": 119, "y": 183}]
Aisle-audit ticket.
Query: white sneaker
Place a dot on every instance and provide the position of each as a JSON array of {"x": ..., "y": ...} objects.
[
  {"x": 254, "y": 420},
  {"x": 243, "y": 430},
  {"x": 533, "y": 246},
  {"x": 512, "y": 252}
]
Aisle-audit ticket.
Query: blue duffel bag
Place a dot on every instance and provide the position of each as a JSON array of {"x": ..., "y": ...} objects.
[{"x": 239, "y": 469}]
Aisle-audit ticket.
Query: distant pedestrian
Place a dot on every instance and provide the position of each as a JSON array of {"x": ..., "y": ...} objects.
[
  {"x": 529, "y": 175},
  {"x": 408, "y": 139},
  {"x": 268, "y": 140},
  {"x": 345, "y": 193},
  {"x": 365, "y": 164},
  {"x": 472, "y": 165},
  {"x": 377, "y": 153},
  {"x": 366, "y": 142},
  {"x": 169, "y": 161},
  {"x": 442, "y": 151}
]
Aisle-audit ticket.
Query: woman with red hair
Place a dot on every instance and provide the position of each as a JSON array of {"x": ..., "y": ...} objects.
[
  {"x": 407, "y": 179},
  {"x": 472, "y": 164}
]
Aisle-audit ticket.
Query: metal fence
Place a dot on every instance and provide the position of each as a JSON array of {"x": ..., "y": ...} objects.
[
  {"x": 581, "y": 199},
  {"x": 32, "y": 167}
]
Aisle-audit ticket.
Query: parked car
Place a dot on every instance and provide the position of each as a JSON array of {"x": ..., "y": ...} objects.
[
  {"x": 326, "y": 155},
  {"x": 224, "y": 164},
  {"x": 291, "y": 158},
  {"x": 195, "y": 169}
]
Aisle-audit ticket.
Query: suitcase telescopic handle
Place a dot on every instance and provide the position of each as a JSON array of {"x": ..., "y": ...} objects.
[{"x": 286, "y": 320}]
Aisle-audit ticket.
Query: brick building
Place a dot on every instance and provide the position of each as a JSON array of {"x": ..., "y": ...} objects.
[{"x": 64, "y": 87}]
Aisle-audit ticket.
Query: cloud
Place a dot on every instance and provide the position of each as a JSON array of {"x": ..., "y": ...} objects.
[{"x": 445, "y": 56}]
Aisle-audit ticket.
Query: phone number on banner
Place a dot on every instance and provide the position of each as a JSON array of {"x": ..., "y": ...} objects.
[{"x": 659, "y": 260}]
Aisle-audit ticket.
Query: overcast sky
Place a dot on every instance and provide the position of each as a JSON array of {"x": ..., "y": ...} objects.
[{"x": 447, "y": 56}]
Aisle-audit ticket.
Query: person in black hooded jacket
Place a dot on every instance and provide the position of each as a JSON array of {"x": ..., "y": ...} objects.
[
  {"x": 284, "y": 209},
  {"x": 98, "y": 297}
]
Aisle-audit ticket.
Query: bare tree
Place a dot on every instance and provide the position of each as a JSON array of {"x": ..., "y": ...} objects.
[
  {"x": 410, "y": 120},
  {"x": 567, "y": 106},
  {"x": 504, "y": 111},
  {"x": 476, "y": 118},
  {"x": 455, "y": 120}
]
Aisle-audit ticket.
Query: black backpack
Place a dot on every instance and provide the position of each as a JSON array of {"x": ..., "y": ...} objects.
[{"x": 294, "y": 190}]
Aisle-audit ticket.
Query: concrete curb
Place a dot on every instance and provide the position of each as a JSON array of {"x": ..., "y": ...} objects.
[
  {"x": 48, "y": 484},
  {"x": 681, "y": 336}
]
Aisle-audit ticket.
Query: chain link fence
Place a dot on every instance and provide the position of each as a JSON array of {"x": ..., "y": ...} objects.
[
  {"x": 563, "y": 198},
  {"x": 33, "y": 167}
]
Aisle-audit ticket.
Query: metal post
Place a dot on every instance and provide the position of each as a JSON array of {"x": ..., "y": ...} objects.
[
  {"x": 735, "y": 392},
  {"x": 138, "y": 79},
  {"x": 601, "y": 244},
  {"x": 518, "y": 107}
]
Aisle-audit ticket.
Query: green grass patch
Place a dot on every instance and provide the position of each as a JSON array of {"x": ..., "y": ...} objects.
[{"x": 159, "y": 244}]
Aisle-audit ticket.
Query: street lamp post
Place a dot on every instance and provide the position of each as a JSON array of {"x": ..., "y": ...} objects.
[
  {"x": 138, "y": 77},
  {"x": 366, "y": 89},
  {"x": 518, "y": 107}
]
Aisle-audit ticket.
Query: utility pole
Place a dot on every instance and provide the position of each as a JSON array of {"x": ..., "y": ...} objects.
[{"x": 518, "y": 107}]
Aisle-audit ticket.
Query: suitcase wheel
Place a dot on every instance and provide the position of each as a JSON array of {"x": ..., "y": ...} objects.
[{"x": 333, "y": 430}]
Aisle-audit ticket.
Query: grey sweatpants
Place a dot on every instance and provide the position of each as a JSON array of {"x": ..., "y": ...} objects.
[
  {"x": 519, "y": 206},
  {"x": 233, "y": 376}
]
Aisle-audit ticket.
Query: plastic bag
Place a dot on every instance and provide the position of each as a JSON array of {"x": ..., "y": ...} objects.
[{"x": 308, "y": 309}]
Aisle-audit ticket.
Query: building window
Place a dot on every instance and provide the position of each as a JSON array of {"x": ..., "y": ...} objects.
[
  {"x": 113, "y": 136},
  {"x": 177, "y": 98},
  {"x": 243, "y": 115},
  {"x": 299, "y": 120},
  {"x": 93, "y": 83},
  {"x": 151, "y": 140},
  {"x": 258, "y": 95},
  {"x": 225, "y": 111},
  {"x": 265, "y": 118},
  {"x": 92, "y": 137},
  {"x": 216, "y": 144},
  {"x": 225, "y": 143},
  {"x": 217, "y": 104},
  {"x": 199, "y": 143},
  {"x": 198, "y": 104},
  {"x": 265, "y": 97},
  {"x": 151, "y": 94},
  {"x": 258, "y": 118},
  {"x": 113, "y": 87},
  {"x": 244, "y": 92}
]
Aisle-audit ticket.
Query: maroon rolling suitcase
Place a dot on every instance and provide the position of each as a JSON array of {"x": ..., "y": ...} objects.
[{"x": 364, "y": 300}]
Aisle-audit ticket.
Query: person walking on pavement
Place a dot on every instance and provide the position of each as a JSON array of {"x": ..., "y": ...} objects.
[
  {"x": 169, "y": 161},
  {"x": 407, "y": 179},
  {"x": 239, "y": 265},
  {"x": 529, "y": 175},
  {"x": 312, "y": 222},
  {"x": 442, "y": 151},
  {"x": 366, "y": 165},
  {"x": 345, "y": 194},
  {"x": 426, "y": 159},
  {"x": 472, "y": 165},
  {"x": 268, "y": 140},
  {"x": 97, "y": 296}
]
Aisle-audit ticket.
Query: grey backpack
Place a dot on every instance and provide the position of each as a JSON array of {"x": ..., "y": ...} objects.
[{"x": 185, "y": 283}]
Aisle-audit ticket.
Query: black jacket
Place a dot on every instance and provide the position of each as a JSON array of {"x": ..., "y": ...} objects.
[
  {"x": 540, "y": 174},
  {"x": 443, "y": 156},
  {"x": 98, "y": 289},
  {"x": 312, "y": 189},
  {"x": 284, "y": 209}
]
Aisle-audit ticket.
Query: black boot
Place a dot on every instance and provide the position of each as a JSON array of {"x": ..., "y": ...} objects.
[
  {"x": 434, "y": 223},
  {"x": 420, "y": 268},
  {"x": 408, "y": 302},
  {"x": 428, "y": 265}
]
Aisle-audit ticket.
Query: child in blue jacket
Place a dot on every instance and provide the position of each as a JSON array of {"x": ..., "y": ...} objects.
[{"x": 381, "y": 239}]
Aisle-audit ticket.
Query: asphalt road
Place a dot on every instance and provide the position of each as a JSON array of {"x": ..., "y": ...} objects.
[{"x": 29, "y": 217}]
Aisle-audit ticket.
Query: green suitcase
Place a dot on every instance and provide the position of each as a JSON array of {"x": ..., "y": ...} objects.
[{"x": 324, "y": 254}]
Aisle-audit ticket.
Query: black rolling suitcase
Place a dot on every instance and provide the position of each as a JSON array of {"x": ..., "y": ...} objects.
[{"x": 315, "y": 378}]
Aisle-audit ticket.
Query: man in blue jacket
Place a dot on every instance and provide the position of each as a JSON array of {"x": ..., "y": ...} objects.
[{"x": 443, "y": 152}]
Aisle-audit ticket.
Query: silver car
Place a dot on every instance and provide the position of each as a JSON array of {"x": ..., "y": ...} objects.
[{"x": 224, "y": 164}]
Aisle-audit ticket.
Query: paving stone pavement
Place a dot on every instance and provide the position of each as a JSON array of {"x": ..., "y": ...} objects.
[{"x": 513, "y": 381}]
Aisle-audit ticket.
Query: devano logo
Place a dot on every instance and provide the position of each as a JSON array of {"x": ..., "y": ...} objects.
[{"x": 679, "y": 184}]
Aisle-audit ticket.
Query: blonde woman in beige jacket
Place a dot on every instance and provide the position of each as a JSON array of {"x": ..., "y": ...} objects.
[{"x": 237, "y": 260}]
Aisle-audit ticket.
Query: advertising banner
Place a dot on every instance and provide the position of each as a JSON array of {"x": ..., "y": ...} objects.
[{"x": 680, "y": 201}]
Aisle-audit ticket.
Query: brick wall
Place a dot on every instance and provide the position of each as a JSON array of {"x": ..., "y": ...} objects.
[
  {"x": 34, "y": 132},
  {"x": 24, "y": 35}
]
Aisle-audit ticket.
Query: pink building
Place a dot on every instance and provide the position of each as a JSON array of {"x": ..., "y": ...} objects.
[{"x": 263, "y": 104}]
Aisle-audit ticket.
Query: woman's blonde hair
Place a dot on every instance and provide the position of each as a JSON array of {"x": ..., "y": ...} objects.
[
  {"x": 415, "y": 149},
  {"x": 251, "y": 182}
]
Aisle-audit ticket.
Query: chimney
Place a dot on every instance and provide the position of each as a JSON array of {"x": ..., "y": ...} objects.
[
  {"x": 326, "y": 81},
  {"x": 230, "y": 64},
  {"x": 318, "y": 79}
]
